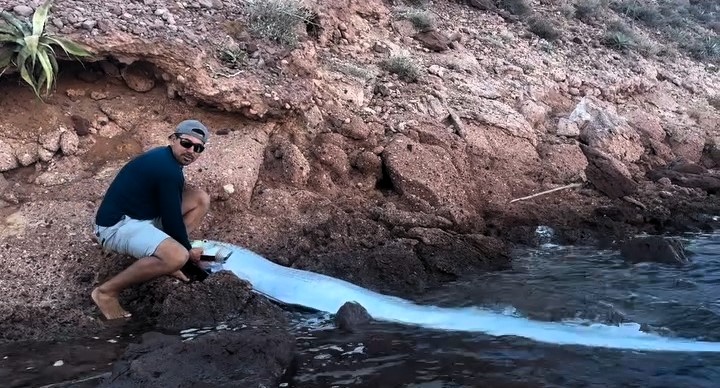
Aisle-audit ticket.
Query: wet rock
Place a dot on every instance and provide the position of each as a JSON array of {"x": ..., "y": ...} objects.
[
  {"x": 8, "y": 160},
  {"x": 69, "y": 143},
  {"x": 440, "y": 251},
  {"x": 433, "y": 40},
  {"x": 81, "y": 125},
  {"x": 654, "y": 249},
  {"x": 246, "y": 358},
  {"x": 708, "y": 182},
  {"x": 607, "y": 174},
  {"x": 296, "y": 167},
  {"x": 351, "y": 316},
  {"x": 392, "y": 216},
  {"x": 138, "y": 77}
]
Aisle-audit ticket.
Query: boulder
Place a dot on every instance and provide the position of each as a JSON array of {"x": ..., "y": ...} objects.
[
  {"x": 250, "y": 357},
  {"x": 220, "y": 298},
  {"x": 351, "y": 316},
  {"x": 654, "y": 249},
  {"x": 424, "y": 171},
  {"x": 602, "y": 128},
  {"x": 607, "y": 174},
  {"x": 433, "y": 40}
]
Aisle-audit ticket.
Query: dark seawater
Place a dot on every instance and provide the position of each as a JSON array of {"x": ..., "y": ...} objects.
[{"x": 550, "y": 284}]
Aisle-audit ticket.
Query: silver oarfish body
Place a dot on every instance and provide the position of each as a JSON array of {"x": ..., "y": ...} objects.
[{"x": 328, "y": 294}]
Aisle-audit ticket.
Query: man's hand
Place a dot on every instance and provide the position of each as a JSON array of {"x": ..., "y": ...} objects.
[{"x": 195, "y": 254}]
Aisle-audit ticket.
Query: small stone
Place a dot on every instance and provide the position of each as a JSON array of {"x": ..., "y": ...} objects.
[
  {"x": 89, "y": 24},
  {"x": 45, "y": 155},
  {"x": 51, "y": 140},
  {"x": 436, "y": 70},
  {"x": 229, "y": 188},
  {"x": 206, "y": 3},
  {"x": 98, "y": 95},
  {"x": 57, "y": 23},
  {"x": 665, "y": 182},
  {"x": 567, "y": 128},
  {"x": 27, "y": 154},
  {"x": 23, "y": 10},
  {"x": 8, "y": 161},
  {"x": 59, "y": 363},
  {"x": 81, "y": 125},
  {"x": 69, "y": 142}
]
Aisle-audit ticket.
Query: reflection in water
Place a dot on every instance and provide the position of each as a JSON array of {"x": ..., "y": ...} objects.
[{"x": 549, "y": 284}]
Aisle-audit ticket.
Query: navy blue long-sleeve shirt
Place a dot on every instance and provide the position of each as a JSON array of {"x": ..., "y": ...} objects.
[{"x": 150, "y": 186}]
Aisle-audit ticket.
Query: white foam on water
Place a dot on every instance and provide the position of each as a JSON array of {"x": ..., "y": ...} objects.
[{"x": 325, "y": 293}]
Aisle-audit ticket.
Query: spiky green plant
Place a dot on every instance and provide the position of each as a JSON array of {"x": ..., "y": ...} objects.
[{"x": 31, "y": 49}]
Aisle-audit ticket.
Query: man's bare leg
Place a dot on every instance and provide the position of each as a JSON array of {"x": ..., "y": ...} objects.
[
  {"x": 169, "y": 257},
  {"x": 195, "y": 205}
]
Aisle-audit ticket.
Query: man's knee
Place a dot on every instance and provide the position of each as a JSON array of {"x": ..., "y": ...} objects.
[
  {"x": 196, "y": 198},
  {"x": 172, "y": 254},
  {"x": 203, "y": 199}
]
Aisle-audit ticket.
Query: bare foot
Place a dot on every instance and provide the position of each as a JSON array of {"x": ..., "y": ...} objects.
[
  {"x": 109, "y": 305},
  {"x": 180, "y": 275}
]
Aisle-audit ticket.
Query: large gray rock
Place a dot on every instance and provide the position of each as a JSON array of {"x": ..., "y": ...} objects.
[
  {"x": 607, "y": 174},
  {"x": 245, "y": 358},
  {"x": 654, "y": 249},
  {"x": 602, "y": 128},
  {"x": 351, "y": 316}
]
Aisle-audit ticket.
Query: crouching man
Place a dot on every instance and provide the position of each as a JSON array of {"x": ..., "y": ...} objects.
[{"x": 148, "y": 212}]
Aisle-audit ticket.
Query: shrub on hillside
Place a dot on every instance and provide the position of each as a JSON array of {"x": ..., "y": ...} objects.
[
  {"x": 543, "y": 28},
  {"x": 403, "y": 66},
  {"x": 637, "y": 10},
  {"x": 277, "y": 20},
  {"x": 707, "y": 48},
  {"x": 588, "y": 10},
  {"x": 422, "y": 20},
  {"x": 714, "y": 102},
  {"x": 515, "y": 7}
]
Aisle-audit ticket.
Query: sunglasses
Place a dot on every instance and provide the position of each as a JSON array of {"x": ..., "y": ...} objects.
[{"x": 198, "y": 148}]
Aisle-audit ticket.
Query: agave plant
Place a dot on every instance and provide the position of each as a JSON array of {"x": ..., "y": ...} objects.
[{"x": 30, "y": 49}]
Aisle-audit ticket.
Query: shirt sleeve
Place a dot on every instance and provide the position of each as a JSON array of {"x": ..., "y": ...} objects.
[{"x": 170, "y": 197}]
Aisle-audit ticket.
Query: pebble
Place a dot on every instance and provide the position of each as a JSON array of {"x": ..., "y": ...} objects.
[
  {"x": 59, "y": 363},
  {"x": 23, "y": 10},
  {"x": 89, "y": 24}
]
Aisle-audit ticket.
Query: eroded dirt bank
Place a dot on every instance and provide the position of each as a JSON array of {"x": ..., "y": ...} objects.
[{"x": 321, "y": 159}]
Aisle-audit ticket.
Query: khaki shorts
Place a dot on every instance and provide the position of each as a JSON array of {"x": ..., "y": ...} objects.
[{"x": 137, "y": 238}]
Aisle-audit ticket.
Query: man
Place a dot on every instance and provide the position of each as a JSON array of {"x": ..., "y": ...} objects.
[{"x": 148, "y": 213}]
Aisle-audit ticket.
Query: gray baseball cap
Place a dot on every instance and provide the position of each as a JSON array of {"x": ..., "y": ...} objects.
[{"x": 193, "y": 128}]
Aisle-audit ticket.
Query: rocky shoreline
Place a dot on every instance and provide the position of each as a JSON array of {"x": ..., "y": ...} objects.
[{"x": 325, "y": 160}]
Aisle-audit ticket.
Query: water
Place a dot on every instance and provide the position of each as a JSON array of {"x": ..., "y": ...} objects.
[{"x": 548, "y": 284}]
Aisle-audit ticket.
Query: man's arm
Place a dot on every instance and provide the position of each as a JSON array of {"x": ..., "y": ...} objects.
[{"x": 170, "y": 198}]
